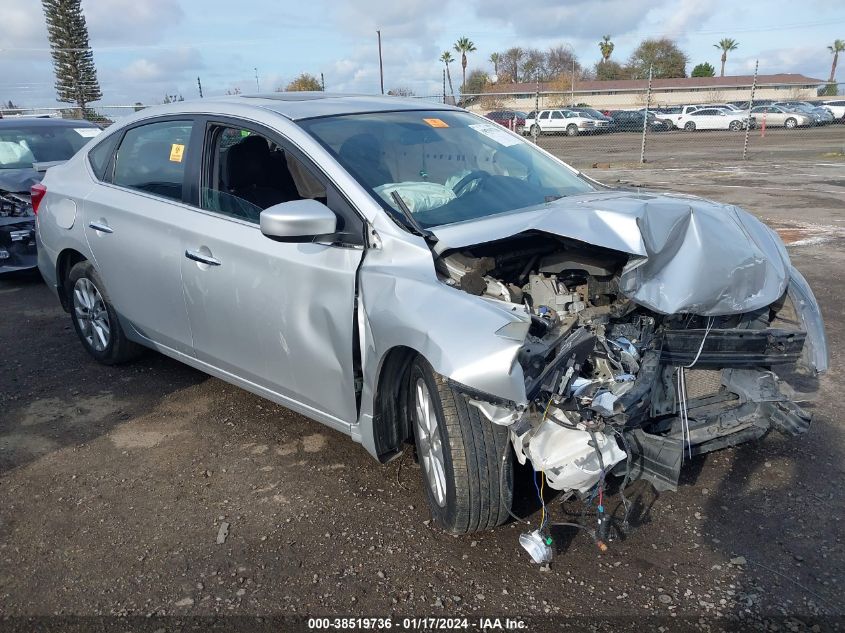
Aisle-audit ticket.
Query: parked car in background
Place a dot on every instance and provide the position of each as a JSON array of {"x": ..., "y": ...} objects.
[
  {"x": 837, "y": 109},
  {"x": 821, "y": 115},
  {"x": 404, "y": 271},
  {"x": 632, "y": 121},
  {"x": 563, "y": 121},
  {"x": 511, "y": 119},
  {"x": 679, "y": 118},
  {"x": 776, "y": 116},
  {"x": 595, "y": 114},
  {"x": 28, "y": 146},
  {"x": 715, "y": 119}
]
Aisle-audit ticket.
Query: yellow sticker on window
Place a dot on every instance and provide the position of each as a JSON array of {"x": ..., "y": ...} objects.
[
  {"x": 176, "y": 152},
  {"x": 436, "y": 122}
]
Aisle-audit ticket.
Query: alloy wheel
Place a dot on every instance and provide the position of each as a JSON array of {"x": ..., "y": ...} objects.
[
  {"x": 429, "y": 444},
  {"x": 91, "y": 314}
]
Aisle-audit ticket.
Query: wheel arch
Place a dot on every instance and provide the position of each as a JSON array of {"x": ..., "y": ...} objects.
[
  {"x": 391, "y": 422},
  {"x": 66, "y": 260}
]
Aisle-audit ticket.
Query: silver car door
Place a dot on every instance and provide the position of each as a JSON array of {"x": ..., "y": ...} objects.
[
  {"x": 279, "y": 316},
  {"x": 133, "y": 226}
]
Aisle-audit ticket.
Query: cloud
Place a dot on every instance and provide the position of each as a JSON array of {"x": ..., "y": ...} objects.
[
  {"x": 164, "y": 66},
  {"x": 130, "y": 21}
]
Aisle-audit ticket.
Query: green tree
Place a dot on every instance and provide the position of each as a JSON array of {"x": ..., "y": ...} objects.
[
  {"x": 703, "y": 70},
  {"x": 512, "y": 60},
  {"x": 173, "y": 98},
  {"x": 606, "y": 47},
  {"x": 608, "y": 70},
  {"x": 495, "y": 58},
  {"x": 477, "y": 81},
  {"x": 662, "y": 54},
  {"x": 73, "y": 59},
  {"x": 726, "y": 45},
  {"x": 463, "y": 46},
  {"x": 447, "y": 59},
  {"x": 837, "y": 47},
  {"x": 305, "y": 82}
]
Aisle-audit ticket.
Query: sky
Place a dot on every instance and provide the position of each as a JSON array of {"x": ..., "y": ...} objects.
[{"x": 146, "y": 49}]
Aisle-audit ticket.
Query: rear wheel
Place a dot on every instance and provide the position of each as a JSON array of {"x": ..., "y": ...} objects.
[
  {"x": 95, "y": 319},
  {"x": 535, "y": 130},
  {"x": 689, "y": 126},
  {"x": 572, "y": 130},
  {"x": 790, "y": 123},
  {"x": 468, "y": 485}
]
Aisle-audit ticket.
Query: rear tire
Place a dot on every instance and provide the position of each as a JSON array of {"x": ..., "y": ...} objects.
[
  {"x": 790, "y": 123},
  {"x": 536, "y": 131},
  {"x": 689, "y": 126},
  {"x": 572, "y": 130},
  {"x": 95, "y": 319},
  {"x": 463, "y": 489}
]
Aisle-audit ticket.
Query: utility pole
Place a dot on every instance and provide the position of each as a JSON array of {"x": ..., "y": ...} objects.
[
  {"x": 257, "y": 87},
  {"x": 199, "y": 85},
  {"x": 380, "y": 63},
  {"x": 323, "y": 81}
]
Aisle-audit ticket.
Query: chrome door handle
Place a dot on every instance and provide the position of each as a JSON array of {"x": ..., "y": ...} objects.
[
  {"x": 202, "y": 259},
  {"x": 102, "y": 228}
]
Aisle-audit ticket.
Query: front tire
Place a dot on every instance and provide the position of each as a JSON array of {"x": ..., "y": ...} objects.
[
  {"x": 95, "y": 319},
  {"x": 572, "y": 130},
  {"x": 790, "y": 123},
  {"x": 460, "y": 454},
  {"x": 735, "y": 126}
]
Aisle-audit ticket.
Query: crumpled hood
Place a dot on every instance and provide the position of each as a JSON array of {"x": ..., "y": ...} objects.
[
  {"x": 19, "y": 180},
  {"x": 687, "y": 254}
]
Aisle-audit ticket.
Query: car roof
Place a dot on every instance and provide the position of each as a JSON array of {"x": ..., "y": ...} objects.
[
  {"x": 302, "y": 105},
  {"x": 24, "y": 121}
]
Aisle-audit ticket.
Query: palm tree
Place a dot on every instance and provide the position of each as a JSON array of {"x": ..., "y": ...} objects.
[
  {"x": 463, "y": 46},
  {"x": 447, "y": 59},
  {"x": 495, "y": 58},
  {"x": 726, "y": 45},
  {"x": 838, "y": 47},
  {"x": 606, "y": 47}
]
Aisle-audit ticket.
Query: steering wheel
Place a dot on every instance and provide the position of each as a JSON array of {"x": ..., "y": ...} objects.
[{"x": 475, "y": 174}]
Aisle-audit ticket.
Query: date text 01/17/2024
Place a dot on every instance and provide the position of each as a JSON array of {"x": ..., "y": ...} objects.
[{"x": 416, "y": 623}]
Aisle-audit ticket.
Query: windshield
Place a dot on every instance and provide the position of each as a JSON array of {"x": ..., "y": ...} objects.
[
  {"x": 22, "y": 146},
  {"x": 443, "y": 167}
]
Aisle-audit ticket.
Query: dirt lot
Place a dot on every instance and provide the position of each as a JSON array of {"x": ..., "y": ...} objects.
[{"x": 114, "y": 483}]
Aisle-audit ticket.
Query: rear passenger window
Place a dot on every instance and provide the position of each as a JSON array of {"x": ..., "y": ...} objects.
[
  {"x": 248, "y": 173},
  {"x": 100, "y": 157},
  {"x": 152, "y": 158}
]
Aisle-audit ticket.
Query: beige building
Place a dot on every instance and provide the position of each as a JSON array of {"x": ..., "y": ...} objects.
[{"x": 631, "y": 93}]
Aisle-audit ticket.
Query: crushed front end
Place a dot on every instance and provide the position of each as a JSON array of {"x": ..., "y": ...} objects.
[
  {"x": 615, "y": 387},
  {"x": 17, "y": 233}
]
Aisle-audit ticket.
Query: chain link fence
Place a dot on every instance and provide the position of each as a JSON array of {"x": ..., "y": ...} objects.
[{"x": 588, "y": 129}]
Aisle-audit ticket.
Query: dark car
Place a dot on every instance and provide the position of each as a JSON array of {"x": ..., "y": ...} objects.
[
  {"x": 632, "y": 120},
  {"x": 28, "y": 146},
  {"x": 511, "y": 119}
]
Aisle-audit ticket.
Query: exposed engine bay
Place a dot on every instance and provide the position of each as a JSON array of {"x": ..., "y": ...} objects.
[
  {"x": 17, "y": 232},
  {"x": 614, "y": 387}
]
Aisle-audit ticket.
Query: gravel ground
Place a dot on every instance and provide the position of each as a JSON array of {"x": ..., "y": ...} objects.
[{"x": 116, "y": 484}]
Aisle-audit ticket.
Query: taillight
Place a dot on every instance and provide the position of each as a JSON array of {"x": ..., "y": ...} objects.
[{"x": 37, "y": 193}]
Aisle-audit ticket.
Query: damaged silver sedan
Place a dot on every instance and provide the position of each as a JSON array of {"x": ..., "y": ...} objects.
[{"x": 403, "y": 271}]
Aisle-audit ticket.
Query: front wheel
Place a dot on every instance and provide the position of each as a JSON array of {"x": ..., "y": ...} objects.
[
  {"x": 469, "y": 486},
  {"x": 790, "y": 123},
  {"x": 735, "y": 126},
  {"x": 95, "y": 319},
  {"x": 689, "y": 126},
  {"x": 572, "y": 130}
]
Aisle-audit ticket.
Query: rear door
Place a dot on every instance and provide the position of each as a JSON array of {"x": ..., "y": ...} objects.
[
  {"x": 557, "y": 122},
  {"x": 278, "y": 316},
  {"x": 133, "y": 224}
]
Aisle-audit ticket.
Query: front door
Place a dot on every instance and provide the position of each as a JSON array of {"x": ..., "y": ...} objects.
[
  {"x": 279, "y": 316},
  {"x": 133, "y": 224}
]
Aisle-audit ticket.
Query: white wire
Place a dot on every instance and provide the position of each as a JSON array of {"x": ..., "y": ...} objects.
[
  {"x": 681, "y": 377},
  {"x": 703, "y": 338}
]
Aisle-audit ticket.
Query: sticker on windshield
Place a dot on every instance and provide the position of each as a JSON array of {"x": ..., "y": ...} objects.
[
  {"x": 87, "y": 132},
  {"x": 176, "y": 151},
  {"x": 496, "y": 133},
  {"x": 436, "y": 122}
]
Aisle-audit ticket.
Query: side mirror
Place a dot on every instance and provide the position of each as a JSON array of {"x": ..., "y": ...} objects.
[{"x": 297, "y": 221}]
